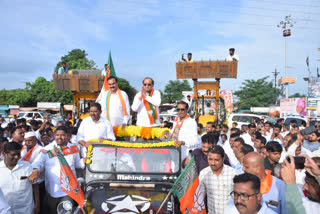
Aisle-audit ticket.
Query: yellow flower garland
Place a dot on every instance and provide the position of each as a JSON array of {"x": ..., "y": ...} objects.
[
  {"x": 139, "y": 131},
  {"x": 126, "y": 145}
]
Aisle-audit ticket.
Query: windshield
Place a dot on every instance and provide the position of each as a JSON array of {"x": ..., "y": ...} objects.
[{"x": 144, "y": 160}]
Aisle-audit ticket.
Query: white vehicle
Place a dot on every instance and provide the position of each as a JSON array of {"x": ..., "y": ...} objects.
[
  {"x": 29, "y": 115},
  {"x": 299, "y": 119},
  {"x": 246, "y": 119}
]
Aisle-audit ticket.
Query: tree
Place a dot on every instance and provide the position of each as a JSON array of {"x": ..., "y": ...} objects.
[
  {"x": 76, "y": 59},
  {"x": 256, "y": 93},
  {"x": 124, "y": 85},
  {"x": 297, "y": 95},
  {"x": 173, "y": 90}
]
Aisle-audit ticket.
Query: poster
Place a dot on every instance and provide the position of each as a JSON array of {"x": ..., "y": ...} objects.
[{"x": 293, "y": 106}]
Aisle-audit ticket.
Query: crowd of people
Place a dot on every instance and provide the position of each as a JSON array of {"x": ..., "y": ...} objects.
[{"x": 248, "y": 169}]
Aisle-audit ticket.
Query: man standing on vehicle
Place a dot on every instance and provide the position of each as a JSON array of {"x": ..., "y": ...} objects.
[
  {"x": 184, "y": 132},
  {"x": 232, "y": 56},
  {"x": 115, "y": 104},
  {"x": 63, "y": 69},
  {"x": 94, "y": 127},
  {"x": 146, "y": 103},
  {"x": 49, "y": 161}
]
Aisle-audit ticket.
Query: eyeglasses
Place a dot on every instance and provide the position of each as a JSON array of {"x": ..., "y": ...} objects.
[
  {"x": 181, "y": 109},
  {"x": 242, "y": 196},
  {"x": 147, "y": 84}
]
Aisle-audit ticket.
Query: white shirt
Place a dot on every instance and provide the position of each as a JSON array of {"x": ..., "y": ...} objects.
[
  {"x": 4, "y": 206},
  {"x": 217, "y": 188},
  {"x": 104, "y": 72},
  {"x": 52, "y": 169},
  {"x": 138, "y": 106},
  {"x": 91, "y": 130},
  {"x": 231, "y": 209},
  {"x": 189, "y": 134},
  {"x": 36, "y": 151},
  {"x": 17, "y": 192},
  {"x": 116, "y": 112},
  {"x": 247, "y": 139},
  {"x": 228, "y": 150},
  {"x": 230, "y": 58}
]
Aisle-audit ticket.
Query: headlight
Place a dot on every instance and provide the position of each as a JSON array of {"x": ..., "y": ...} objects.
[{"x": 67, "y": 205}]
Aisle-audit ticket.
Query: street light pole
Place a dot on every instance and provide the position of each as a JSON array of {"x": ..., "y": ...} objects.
[{"x": 288, "y": 22}]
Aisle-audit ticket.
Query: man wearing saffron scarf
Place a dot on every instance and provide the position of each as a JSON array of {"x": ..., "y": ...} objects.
[
  {"x": 184, "y": 132},
  {"x": 52, "y": 167},
  {"x": 115, "y": 104},
  {"x": 146, "y": 104},
  {"x": 271, "y": 188}
]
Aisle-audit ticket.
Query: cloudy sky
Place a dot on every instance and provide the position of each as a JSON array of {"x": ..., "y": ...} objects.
[{"x": 147, "y": 37}]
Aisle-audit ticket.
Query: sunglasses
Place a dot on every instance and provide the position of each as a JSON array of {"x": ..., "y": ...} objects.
[
  {"x": 147, "y": 84},
  {"x": 181, "y": 109}
]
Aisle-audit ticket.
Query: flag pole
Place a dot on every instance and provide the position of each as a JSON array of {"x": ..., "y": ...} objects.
[{"x": 164, "y": 201}]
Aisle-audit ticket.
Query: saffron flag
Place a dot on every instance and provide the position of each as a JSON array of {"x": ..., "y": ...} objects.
[
  {"x": 68, "y": 181},
  {"x": 111, "y": 72},
  {"x": 187, "y": 189}
]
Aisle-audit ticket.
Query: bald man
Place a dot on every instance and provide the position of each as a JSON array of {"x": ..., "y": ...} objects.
[{"x": 272, "y": 188}]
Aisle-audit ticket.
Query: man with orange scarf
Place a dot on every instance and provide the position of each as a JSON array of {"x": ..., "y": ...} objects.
[
  {"x": 115, "y": 104},
  {"x": 271, "y": 188},
  {"x": 146, "y": 104},
  {"x": 184, "y": 132}
]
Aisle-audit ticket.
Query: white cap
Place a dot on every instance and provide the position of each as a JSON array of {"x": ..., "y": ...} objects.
[
  {"x": 29, "y": 134},
  {"x": 4, "y": 125}
]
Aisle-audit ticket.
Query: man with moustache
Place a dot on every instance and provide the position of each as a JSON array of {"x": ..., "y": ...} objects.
[
  {"x": 115, "y": 104},
  {"x": 17, "y": 134},
  {"x": 216, "y": 181},
  {"x": 146, "y": 103},
  {"x": 246, "y": 196},
  {"x": 51, "y": 165},
  {"x": 94, "y": 127},
  {"x": 184, "y": 132},
  {"x": 19, "y": 192}
]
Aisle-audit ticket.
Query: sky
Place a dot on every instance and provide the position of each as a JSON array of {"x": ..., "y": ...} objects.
[{"x": 147, "y": 38}]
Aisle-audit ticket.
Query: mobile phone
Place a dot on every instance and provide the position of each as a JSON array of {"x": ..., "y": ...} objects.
[{"x": 298, "y": 162}]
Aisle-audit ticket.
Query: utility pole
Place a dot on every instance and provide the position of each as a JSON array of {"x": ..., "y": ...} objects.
[
  {"x": 288, "y": 22},
  {"x": 275, "y": 73}
]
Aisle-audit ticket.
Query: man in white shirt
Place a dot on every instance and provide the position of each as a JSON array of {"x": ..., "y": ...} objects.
[
  {"x": 104, "y": 71},
  {"x": 247, "y": 197},
  {"x": 146, "y": 103},
  {"x": 184, "y": 132},
  {"x": 115, "y": 104},
  {"x": 94, "y": 127},
  {"x": 216, "y": 181},
  {"x": 52, "y": 168},
  {"x": 29, "y": 153},
  {"x": 232, "y": 56},
  {"x": 18, "y": 191}
]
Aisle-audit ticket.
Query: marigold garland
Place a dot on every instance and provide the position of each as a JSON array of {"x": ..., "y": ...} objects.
[{"x": 139, "y": 131}]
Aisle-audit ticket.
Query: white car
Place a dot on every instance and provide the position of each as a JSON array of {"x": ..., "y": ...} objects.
[
  {"x": 29, "y": 115},
  {"x": 246, "y": 119}
]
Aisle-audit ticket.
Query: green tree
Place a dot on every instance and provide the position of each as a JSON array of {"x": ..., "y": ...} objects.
[
  {"x": 76, "y": 59},
  {"x": 297, "y": 95},
  {"x": 124, "y": 85},
  {"x": 256, "y": 93},
  {"x": 173, "y": 90}
]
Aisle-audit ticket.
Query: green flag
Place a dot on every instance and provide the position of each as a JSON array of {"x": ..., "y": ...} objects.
[{"x": 111, "y": 67}]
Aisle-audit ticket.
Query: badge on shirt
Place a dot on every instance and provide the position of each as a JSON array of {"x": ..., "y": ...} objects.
[{"x": 273, "y": 203}]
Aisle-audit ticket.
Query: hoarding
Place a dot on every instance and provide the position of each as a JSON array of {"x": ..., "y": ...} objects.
[{"x": 293, "y": 106}]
